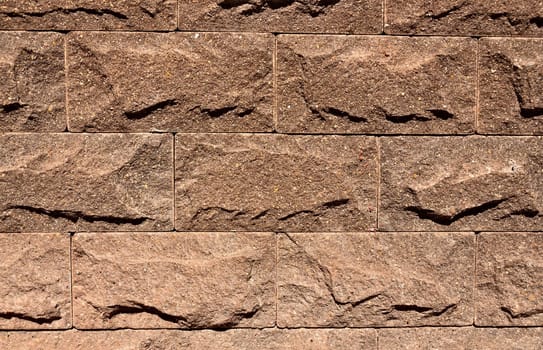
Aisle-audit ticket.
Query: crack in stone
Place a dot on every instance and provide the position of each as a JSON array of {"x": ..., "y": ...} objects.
[
  {"x": 40, "y": 319},
  {"x": 147, "y": 111},
  {"x": 319, "y": 210},
  {"x": 440, "y": 114},
  {"x": 512, "y": 314},
  {"x": 527, "y": 212},
  {"x": 336, "y": 112},
  {"x": 425, "y": 310},
  {"x": 447, "y": 12},
  {"x": 444, "y": 219},
  {"x": 314, "y": 8},
  {"x": 12, "y": 107},
  {"x": 89, "y": 11},
  {"x": 76, "y": 215},
  {"x": 215, "y": 113}
]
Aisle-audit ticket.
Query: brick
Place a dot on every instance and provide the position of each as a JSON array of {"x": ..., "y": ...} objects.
[
  {"x": 72, "y": 182},
  {"x": 385, "y": 85},
  {"x": 88, "y": 15},
  {"x": 466, "y": 338},
  {"x": 375, "y": 279},
  {"x": 302, "y": 16},
  {"x": 509, "y": 279},
  {"x": 171, "y": 280},
  {"x": 170, "y": 82},
  {"x": 32, "y": 93},
  {"x": 511, "y": 87},
  {"x": 275, "y": 182},
  {"x": 235, "y": 339},
  {"x": 461, "y": 184},
  {"x": 34, "y": 281},
  {"x": 470, "y": 17}
]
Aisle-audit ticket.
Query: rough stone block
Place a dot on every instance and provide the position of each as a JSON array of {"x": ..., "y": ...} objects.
[
  {"x": 386, "y": 85},
  {"x": 172, "y": 280},
  {"x": 34, "y": 281},
  {"x": 170, "y": 82},
  {"x": 375, "y": 279},
  {"x": 464, "y": 17},
  {"x": 511, "y": 86},
  {"x": 510, "y": 279},
  {"x": 74, "y": 182},
  {"x": 33, "y": 91},
  {"x": 461, "y": 184},
  {"x": 234, "y": 339},
  {"x": 88, "y": 15},
  {"x": 305, "y": 16},
  {"x": 275, "y": 182}
]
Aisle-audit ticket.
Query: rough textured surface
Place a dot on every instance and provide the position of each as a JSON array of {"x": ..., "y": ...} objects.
[
  {"x": 171, "y": 280},
  {"x": 34, "y": 281},
  {"x": 170, "y": 81},
  {"x": 265, "y": 183},
  {"x": 32, "y": 92},
  {"x": 511, "y": 81},
  {"x": 302, "y": 16},
  {"x": 376, "y": 84},
  {"x": 472, "y": 183},
  {"x": 464, "y": 17},
  {"x": 375, "y": 279},
  {"x": 237, "y": 339},
  {"x": 88, "y": 14},
  {"x": 510, "y": 279},
  {"x": 466, "y": 338},
  {"x": 73, "y": 182}
]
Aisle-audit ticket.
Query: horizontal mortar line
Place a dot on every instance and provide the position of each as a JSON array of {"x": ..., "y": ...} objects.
[
  {"x": 272, "y": 232},
  {"x": 474, "y": 36}
]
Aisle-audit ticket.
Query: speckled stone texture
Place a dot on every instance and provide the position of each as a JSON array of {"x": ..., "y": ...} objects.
[
  {"x": 465, "y": 338},
  {"x": 464, "y": 17},
  {"x": 385, "y": 85},
  {"x": 469, "y": 184},
  {"x": 170, "y": 82},
  {"x": 510, "y": 279},
  {"x": 88, "y": 14},
  {"x": 32, "y": 88},
  {"x": 283, "y": 16},
  {"x": 511, "y": 81},
  {"x": 34, "y": 281},
  {"x": 237, "y": 339},
  {"x": 74, "y": 182},
  {"x": 275, "y": 182},
  {"x": 375, "y": 279},
  {"x": 171, "y": 280}
]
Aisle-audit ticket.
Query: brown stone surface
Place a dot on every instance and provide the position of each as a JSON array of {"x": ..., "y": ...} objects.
[
  {"x": 32, "y": 88},
  {"x": 468, "y": 184},
  {"x": 302, "y": 16},
  {"x": 275, "y": 182},
  {"x": 464, "y": 17},
  {"x": 170, "y": 81},
  {"x": 174, "y": 280},
  {"x": 387, "y": 85},
  {"x": 235, "y": 339},
  {"x": 73, "y": 182},
  {"x": 88, "y": 14},
  {"x": 511, "y": 83},
  {"x": 510, "y": 279},
  {"x": 34, "y": 281},
  {"x": 375, "y": 279},
  {"x": 466, "y": 338}
]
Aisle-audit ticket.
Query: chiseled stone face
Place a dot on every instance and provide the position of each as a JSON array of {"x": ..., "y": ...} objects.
[
  {"x": 234, "y": 339},
  {"x": 511, "y": 97},
  {"x": 468, "y": 184},
  {"x": 375, "y": 279},
  {"x": 74, "y": 182},
  {"x": 32, "y": 88},
  {"x": 173, "y": 280},
  {"x": 170, "y": 82},
  {"x": 465, "y": 338},
  {"x": 88, "y": 14},
  {"x": 275, "y": 182},
  {"x": 34, "y": 281},
  {"x": 464, "y": 17},
  {"x": 510, "y": 279},
  {"x": 385, "y": 85},
  {"x": 290, "y": 16}
]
